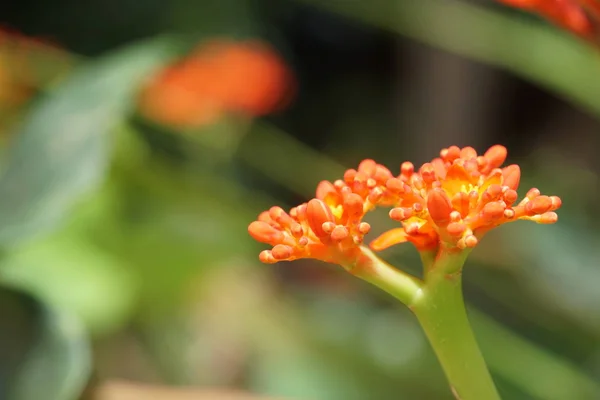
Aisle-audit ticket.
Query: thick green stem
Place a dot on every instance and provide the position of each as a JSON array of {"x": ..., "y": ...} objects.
[
  {"x": 441, "y": 311},
  {"x": 439, "y": 306}
]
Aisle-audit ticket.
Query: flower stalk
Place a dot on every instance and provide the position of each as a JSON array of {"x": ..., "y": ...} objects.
[
  {"x": 438, "y": 304},
  {"x": 374, "y": 270},
  {"x": 441, "y": 312}
]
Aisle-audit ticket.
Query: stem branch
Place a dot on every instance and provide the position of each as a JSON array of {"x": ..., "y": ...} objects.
[{"x": 374, "y": 270}]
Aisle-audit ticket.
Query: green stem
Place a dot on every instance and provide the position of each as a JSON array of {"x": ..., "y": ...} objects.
[
  {"x": 442, "y": 314},
  {"x": 439, "y": 306},
  {"x": 374, "y": 270}
]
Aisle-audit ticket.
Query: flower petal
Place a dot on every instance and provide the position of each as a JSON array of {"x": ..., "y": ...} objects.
[{"x": 388, "y": 239}]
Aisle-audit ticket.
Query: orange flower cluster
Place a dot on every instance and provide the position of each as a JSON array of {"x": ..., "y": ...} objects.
[
  {"x": 449, "y": 203},
  {"x": 582, "y": 17},
  {"x": 218, "y": 77}
]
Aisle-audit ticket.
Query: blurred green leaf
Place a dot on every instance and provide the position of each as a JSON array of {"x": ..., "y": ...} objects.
[
  {"x": 562, "y": 268},
  {"x": 553, "y": 59},
  {"x": 539, "y": 373},
  {"x": 45, "y": 352},
  {"x": 62, "y": 150},
  {"x": 279, "y": 156},
  {"x": 288, "y": 375},
  {"x": 70, "y": 273}
]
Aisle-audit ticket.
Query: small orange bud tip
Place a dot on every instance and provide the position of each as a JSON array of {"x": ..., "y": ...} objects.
[
  {"x": 510, "y": 196},
  {"x": 450, "y": 154},
  {"x": 364, "y": 228},
  {"x": 495, "y": 156},
  {"x": 533, "y": 193},
  {"x": 556, "y": 202},
  {"x": 548, "y": 218},
  {"x": 297, "y": 230},
  {"x": 265, "y": 233},
  {"x": 367, "y": 166},
  {"x": 276, "y": 212},
  {"x": 427, "y": 173},
  {"x": 349, "y": 175},
  {"x": 375, "y": 195},
  {"x": 539, "y": 205},
  {"x": 468, "y": 153},
  {"x": 266, "y": 257},
  {"x": 281, "y": 252},
  {"x": 471, "y": 241},
  {"x": 455, "y": 216},
  {"x": 395, "y": 185},
  {"x": 325, "y": 188},
  {"x": 327, "y": 227},
  {"x": 407, "y": 168},
  {"x": 400, "y": 214},
  {"x": 493, "y": 210},
  {"x": 339, "y": 233},
  {"x": 353, "y": 205}
]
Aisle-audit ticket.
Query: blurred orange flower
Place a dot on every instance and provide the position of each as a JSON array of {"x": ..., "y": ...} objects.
[
  {"x": 581, "y": 17},
  {"x": 26, "y": 63},
  {"x": 448, "y": 203},
  {"x": 218, "y": 77}
]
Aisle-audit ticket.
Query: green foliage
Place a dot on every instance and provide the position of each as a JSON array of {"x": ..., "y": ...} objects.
[
  {"x": 63, "y": 149},
  {"x": 45, "y": 351}
]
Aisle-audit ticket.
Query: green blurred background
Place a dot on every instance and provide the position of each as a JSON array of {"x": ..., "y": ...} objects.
[{"x": 124, "y": 249}]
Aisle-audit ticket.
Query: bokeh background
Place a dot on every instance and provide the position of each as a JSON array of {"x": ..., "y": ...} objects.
[{"x": 124, "y": 250}]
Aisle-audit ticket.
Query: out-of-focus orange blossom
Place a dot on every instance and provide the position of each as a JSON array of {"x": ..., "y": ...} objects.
[
  {"x": 447, "y": 204},
  {"x": 218, "y": 77},
  {"x": 22, "y": 59},
  {"x": 581, "y": 17}
]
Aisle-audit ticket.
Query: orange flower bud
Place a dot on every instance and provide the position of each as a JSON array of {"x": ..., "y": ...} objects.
[
  {"x": 353, "y": 205},
  {"x": 281, "y": 252},
  {"x": 539, "y": 205},
  {"x": 318, "y": 213},
  {"x": 325, "y": 189},
  {"x": 265, "y": 233},
  {"x": 495, "y": 156},
  {"x": 439, "y": 207},
  {"x": 511, "y": 176}
]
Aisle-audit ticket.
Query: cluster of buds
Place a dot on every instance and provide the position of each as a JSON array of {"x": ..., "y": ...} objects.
[
  {"x": 581, "y": 17},
  {"x": 312, "y": 230},
  {"x": 455, "y": 199},
  {"x": 448, "y": 203},
  {"x": 218, "y": 77}
]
